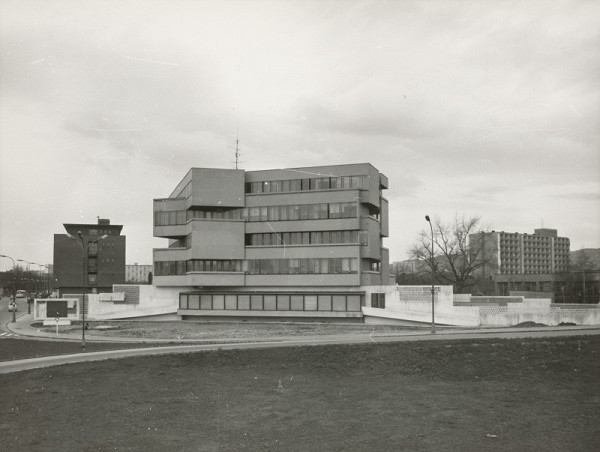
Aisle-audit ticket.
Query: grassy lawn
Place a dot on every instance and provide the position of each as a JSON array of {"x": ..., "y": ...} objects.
[
  {"x": 520, "y": 394},
  {"x": 16, "y": 348}
]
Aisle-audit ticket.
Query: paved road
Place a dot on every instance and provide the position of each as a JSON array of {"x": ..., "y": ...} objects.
[
  {"x": 6, "y": 316},
  {"x": 26, "y": 364}
]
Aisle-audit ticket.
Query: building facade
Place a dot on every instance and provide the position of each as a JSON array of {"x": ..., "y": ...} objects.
[
  {"x": 138, "y": 274},
  {"x": 275, "y": 243},
  {"x": 523, "y": 262},
  {"x": 85, "y": 260}
]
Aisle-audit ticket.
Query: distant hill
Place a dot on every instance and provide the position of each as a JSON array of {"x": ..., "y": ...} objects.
[{"x": 587, "y": 257}]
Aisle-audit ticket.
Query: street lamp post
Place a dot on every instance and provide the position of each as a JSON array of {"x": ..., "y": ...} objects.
[
  {"x": 38, "y": 278},
  {"x": 14, "y": 316},
  {"x": 432, "y": 279},
  {"x": 28, "y": 284},
  {"x": 37, "y": 285},
  {"x": 46, "y": 284},
  {"x": 84, "y": 248}
]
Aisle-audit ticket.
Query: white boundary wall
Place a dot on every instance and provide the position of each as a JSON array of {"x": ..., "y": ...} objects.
[
  {"x": 412, "y": 305},
  {"x": 539, "y": 311},
  {"x": 403, "y": 305},
  {"x": 152, "y": 303}
]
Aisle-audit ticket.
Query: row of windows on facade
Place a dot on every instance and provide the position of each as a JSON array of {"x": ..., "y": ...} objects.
[
  {"x": 92, "y": 263},
  {"x": 532, "y": 257},
  {"x": 535, "y": 241},
  {"x": 533, "y": 261},
  {"x": 546, "y": 243},
  {"x": 307, "y": 238},
  {"x": 95, "y": 231},
  {"x": 295, "y": 185},
  {"x": 93, "y": 247},
  {"x": 321, "y": 211},
  {"x": 529, "y": 270},
  {"x": 309, "y": 184},
  {"x": 271, "y": 302},
  {"x": 267, "y": 266},
  {"x": 292, "y": 238}
]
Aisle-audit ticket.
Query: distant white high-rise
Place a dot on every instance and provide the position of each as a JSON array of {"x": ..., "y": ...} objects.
[
  {"x": 138, "y": 274},
  {"x": 522, "y": 261}
]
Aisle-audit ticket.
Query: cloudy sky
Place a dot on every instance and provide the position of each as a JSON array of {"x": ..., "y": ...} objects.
[{"x": 487, "y": 108}]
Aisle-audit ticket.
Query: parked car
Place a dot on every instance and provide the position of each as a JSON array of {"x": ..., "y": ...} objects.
[
  {"x": 21, "y": 293},
  {"x": 12, "y": 306}
]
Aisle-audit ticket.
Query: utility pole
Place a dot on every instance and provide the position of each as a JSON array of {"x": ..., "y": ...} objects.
[{"x": 432, "y": 278}]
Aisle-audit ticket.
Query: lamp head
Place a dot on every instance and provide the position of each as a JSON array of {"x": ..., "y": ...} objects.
[{"x": 427, "y": 218}]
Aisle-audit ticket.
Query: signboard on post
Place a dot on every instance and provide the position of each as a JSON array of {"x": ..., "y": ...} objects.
[
  {"x": 57, "y": 312},
  {"x": 56, "y": 308}
]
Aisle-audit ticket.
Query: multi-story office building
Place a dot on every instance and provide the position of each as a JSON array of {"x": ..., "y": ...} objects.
[
  {"x": 140, "y": 274},
  {"x": 86, "y": 260},
  {"x": 529, "y": 262},
  {"x": 275, "y": 243}
]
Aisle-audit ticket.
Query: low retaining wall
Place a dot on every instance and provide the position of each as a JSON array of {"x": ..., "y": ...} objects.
[
  {"x": 411, "y": 305},
  {"x": 408, "y": 305},
  {"x": 552, "y": 316},
  {"x": 126, "y": 302},
  {"x": 140, "y": 301}
]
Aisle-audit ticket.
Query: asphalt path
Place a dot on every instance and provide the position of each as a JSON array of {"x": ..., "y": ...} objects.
[{"x": 35, "y": 363}]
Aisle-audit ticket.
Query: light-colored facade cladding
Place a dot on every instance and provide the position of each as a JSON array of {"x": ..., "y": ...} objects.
[
  {"x": 302, "y": 240},
  {"x": 524, "y": 261},
  {"x": 138, "y": 274}
]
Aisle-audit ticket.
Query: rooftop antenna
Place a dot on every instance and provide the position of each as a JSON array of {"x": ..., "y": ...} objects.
[
  {"x": 237, "y": 147},
  {"x": 237, "y": 152}
]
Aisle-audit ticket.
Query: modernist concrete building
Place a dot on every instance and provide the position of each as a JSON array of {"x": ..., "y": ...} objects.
[
  {"x": 102, "y": 261},
  {"x": 275, "y": 243},
  {"x": 523, "y": 262}
]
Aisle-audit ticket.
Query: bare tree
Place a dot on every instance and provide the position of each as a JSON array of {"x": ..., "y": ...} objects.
[
  {"x": 581, "y": 279},
  {"x": 453, "y": 260}
]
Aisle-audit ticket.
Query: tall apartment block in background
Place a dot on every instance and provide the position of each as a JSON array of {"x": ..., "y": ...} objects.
[
  {"x": 138, "y": 274},
  {"x": 104, "y": 261},
  {"x": 523, "y": 262},
  {"x": 275, "y": 243}
]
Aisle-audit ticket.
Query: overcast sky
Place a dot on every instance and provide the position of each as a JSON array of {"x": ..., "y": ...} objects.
[{"x": 487, "y": 108}]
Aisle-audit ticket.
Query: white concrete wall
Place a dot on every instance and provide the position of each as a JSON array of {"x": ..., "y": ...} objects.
[
  {"x": 153, "y": 302},
  {"x": 412, "y": 304},
  {"x": 513, "y": 314},
  {"x": 403, "y": 304}
]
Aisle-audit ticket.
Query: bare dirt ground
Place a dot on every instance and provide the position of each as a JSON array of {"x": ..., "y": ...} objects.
[
  {"x": 493, "y": 394},
  {"x": 221, "y": 331}
]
